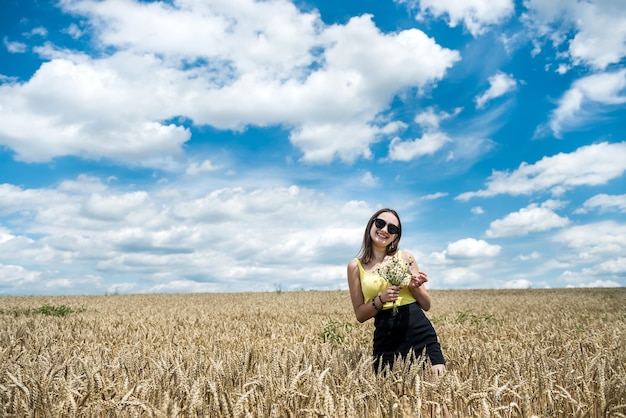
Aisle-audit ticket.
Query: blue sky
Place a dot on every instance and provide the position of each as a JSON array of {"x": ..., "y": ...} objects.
[{"x": 228, "y": 146}]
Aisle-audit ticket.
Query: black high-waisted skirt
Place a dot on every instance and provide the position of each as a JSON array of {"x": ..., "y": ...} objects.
[{"x": 406, "y": 333}]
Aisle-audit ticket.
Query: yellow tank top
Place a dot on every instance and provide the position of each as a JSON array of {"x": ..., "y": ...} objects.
[{"x": 372, "y": 283}]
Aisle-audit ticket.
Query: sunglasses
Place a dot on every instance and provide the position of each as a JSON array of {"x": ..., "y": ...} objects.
[{"x": 391, "y": 228}]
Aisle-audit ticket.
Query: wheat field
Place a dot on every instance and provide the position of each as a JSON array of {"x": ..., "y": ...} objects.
[{"x": 510, "y": 353}]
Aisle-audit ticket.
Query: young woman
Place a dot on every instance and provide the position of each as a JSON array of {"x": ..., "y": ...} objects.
[{"x": 409, "y": 331}]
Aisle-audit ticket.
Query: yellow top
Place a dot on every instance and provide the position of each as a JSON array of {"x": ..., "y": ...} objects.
[{"x": 372, "y": 283}]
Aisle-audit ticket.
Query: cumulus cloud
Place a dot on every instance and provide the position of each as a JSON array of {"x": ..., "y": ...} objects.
[
  {"x": 598, "y": 43},
  {"x": 93, "y": 110},
  {"x": 586, "y": 98},
  {"x": 594, "y": 241},
  {"x": 321, "y": 142},
  {"x": 369, "y": 179},
  {"x": 529, "y": 257},
  {"x": 39, "y": 31},
  {"x": 476, "y": 15},
  {"x": 533, "y": 218},
  {"x": 223, "y": 239},
  {"x": 601, "y": 283},
  {"x": 459, "y": 276},
  {"x": 18, "y": 277},
  {"x": 138, "y": 93},
  {"x": 598, "y": 249},
  {"x": 604, "y": 202},
  {"x": 204, "y": 167},
  {"x": 518, "y": 284},
  {"x": 428, "y": 144},
  {"x": 499, "y": 85},
  {"x": 432, "y": 140},
  {"x": 589, "y": 165},
  {"x": 615, "y": 266},
  {"x": 471, "y": 248},
  {"x": 584, "y": 279},
  {"x": 327, "y": 84},
  {"x": 600, "y": 32}
]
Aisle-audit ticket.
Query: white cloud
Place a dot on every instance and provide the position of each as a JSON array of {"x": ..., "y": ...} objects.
[
  {"x": 586, "y": 98},
  {"x": 17, "y": 276},
  {"x": 471, "y": 248},
  {"x": 142, "y": 91},
  {"x": 562, "y": 69},
  {"x": 459, "y": 276},
  {"x": 599, "y": 27},
  {"x": 529, "y": 257},
  {"x": 589, "y": 165},
  {"x": 229, "y": 237},
  {"x": 292, "y": 70},
  {"x": 5, "y": 235},
  {"x": 39, "y": 31},
  {"x": 432, "y": 140},
  {"x": 271, "y": 36},
  {"x": 518, "y": 284},
  {"x": 583, "y": 279},
  {"x": 601, "y": 39},
  {"x": 321, "y": 142},
  {"x": 499, "y": 85},
  {"x": 614, "y": 266},
  {"x": 369, "y": 179},
  {"x": 434, "y": 196},
  {"x": 533, "y": 218},
  {"x": 594, "y": 241},
  {"x": 430, "y": 120},
  {"x": 476, "y": 15},
  {"x": 363, "y": 70},
  {"x": 92, "y": 109},
  {"x": 198, "y": 168},
  {"x": 428, "y": 144},
  {"x": 601, "y": 283},
  {"x": 14, "y": 47},
  {"x": 599, "y": 248},
  {"x": 604, "y": 202},
  {"x": 74, "y": 31}
]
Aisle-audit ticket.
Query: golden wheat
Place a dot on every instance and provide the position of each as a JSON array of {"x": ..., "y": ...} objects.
[{"x": 544, "y": 353}]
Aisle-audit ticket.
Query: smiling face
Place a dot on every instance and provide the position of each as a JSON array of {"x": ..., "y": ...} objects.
[{"x": 381, "y": 236}]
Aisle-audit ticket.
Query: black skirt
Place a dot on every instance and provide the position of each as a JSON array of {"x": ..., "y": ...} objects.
[{"x": 406, "y": 334}]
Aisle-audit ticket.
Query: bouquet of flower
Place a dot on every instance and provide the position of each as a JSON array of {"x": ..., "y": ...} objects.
[{"x": 396, "y": 272}]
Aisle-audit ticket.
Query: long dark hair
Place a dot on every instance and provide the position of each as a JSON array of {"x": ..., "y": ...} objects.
[{"x": 367, "y": 250}]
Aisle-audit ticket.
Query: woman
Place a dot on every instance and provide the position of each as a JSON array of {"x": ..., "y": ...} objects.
[{"x": 409, "y": 331}]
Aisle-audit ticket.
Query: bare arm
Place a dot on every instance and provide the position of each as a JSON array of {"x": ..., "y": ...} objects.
[
  {"x": 416, "y": 286},
  {"x": 362, "y": 310}
]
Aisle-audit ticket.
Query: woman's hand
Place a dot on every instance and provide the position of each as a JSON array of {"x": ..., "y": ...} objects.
[
  {"x": 419, "y": 291},
  {"x": 439, "y": 370},
  {"x": 417, "y": 281},
  {"x": 390, "y": 294}
]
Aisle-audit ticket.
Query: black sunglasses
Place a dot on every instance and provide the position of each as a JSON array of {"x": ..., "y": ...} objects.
[{"x": 380, "y": 224}]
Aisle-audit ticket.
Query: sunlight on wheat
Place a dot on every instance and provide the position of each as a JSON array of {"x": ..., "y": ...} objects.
[{"x": 543, "y": 353}]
